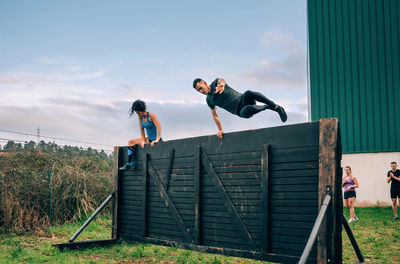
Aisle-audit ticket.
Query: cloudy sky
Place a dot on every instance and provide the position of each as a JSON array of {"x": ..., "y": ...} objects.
[{"x": 73, "y": 68}]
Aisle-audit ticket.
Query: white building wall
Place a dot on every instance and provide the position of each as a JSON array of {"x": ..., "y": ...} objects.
[{"x": 371, "y": 170}]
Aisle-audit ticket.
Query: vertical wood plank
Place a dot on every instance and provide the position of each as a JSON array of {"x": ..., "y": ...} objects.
[
  {"x": 264, "y": 199},
  {"x": 171, "y": 160},
  {"x": 144, "y": 195},
  {"x": 115, "y": 204},
  {"x": 328, "y": 159},
  {"x": 197, "y": 215}
]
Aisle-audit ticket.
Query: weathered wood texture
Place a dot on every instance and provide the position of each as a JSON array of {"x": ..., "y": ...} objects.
[
  {"x": 253, "y": 194},
  {"x": 115, "y": 204},
  {"x": 329, "y": 251}
]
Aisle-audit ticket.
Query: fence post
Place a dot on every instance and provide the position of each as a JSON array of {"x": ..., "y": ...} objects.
[{"x": 50, "y": 213}]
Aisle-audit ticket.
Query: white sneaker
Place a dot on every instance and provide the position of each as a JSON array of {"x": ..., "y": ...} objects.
[
  {"x": 355, "y": 218},
  {"x": 351, "y": 220}
]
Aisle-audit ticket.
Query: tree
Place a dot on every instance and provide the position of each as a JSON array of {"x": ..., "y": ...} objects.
[
  {"x": 10, "y": 146},
  {"x": 29, "y": 145}
]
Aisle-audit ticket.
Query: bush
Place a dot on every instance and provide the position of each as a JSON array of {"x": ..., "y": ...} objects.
[{"x": 78, "y": 185}]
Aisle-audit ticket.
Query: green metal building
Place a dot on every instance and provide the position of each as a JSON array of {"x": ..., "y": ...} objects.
[{"x": 354, "y": 70}]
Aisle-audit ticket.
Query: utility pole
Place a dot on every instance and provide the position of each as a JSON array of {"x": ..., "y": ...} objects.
[{"x": 38, "y": 135}]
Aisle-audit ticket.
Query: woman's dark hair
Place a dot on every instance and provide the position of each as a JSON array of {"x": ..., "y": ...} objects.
[
  {"x": 348, "y": 167},
  {"x": 138, "y": 105}
]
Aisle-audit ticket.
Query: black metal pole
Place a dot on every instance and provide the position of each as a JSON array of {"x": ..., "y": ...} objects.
[
  {"x": 353, "y": 240},
  {"x": 91, "y": 218},
  {"x": 315, "y": 229}
]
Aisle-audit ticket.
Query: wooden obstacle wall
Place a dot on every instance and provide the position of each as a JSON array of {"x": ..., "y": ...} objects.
[{"x": 254, "y": 194}]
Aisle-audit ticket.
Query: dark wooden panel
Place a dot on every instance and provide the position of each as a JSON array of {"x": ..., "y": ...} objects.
[
  {"x": 135, "y": 188},
  {"x": 235, "y": 202},
  {"x": 295, "y": 203},
  {"x": 227, "y": 220},
  {"x": 306, "y": 165},
  {"x": 239, "y": 198},
  {"x": 291, "y": 224},
  {"x": 170, "y": 221},
  {"x": 238, "y": 175},
  {"x": 294, "y": 188},
  {"x": 131, "y": 196},
  {"x": 130, "y": 224},
  {"x": 165, "y": 210},
  {"x": 131, "y": 207},
  {"x": 220, "y": 207},
  {"x": 157, "y": 229},
  {"x": 294, "y": 173},
  {"x": 221, "y": 237},
  {"x": 130, "y": 229},
  {"x": 161, "y": 204},
  {"x": 292, "y": 217},
  {"x": 135, "y": 218},
  {"x": 277, "y": 231},
  {"x": 294, "y": 195},
  {"x": 166, "y": 237},
  {"x": 265, "y": 186},
  {"x": 229, "y": 227},
  {"x": 171, "y": 190},
  {"x": 295, "y": 210},
  {"x": 234, "y": 182},
  {"x": 226, "y": 244},
  {"x": 293, "y": 180},
  {"x": 277, "y": 214}
]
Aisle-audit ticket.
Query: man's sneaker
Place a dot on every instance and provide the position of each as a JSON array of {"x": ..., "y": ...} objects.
[
  {"x": 396, "y": 218},
  {"x": 127, "y": 166},
  {"x": 281, "y": 112},
  {"x": 355, "y": 218},
  {"x": 351, "y": 220}
]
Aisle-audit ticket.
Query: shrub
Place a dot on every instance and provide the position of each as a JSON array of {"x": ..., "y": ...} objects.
[{"x": 78, "y": 185}]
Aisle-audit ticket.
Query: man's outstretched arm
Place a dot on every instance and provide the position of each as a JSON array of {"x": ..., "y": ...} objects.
[{"x": 218, "y": 122}]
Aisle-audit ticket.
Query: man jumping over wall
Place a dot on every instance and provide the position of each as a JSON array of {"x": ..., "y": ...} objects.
[{"x": 243, "y": 105}]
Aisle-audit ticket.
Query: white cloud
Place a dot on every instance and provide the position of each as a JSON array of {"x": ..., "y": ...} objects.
[
  {"x": 47, "y": 60},
  {"x": 22, "y": 78},
  {"x": 277, "y": 39},
  {"x": 288, "y": 73}
]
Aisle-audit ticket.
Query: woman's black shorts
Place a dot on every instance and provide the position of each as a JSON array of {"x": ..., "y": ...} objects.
[{"x": 350, "y": 194}]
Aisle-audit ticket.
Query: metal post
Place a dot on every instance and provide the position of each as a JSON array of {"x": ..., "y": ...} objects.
[
  {"x": 91, "y": 218},
  {"x": 50, "y": 213},
  {"x": 315, "y": 229},
  {"x": 353, "y": 240}
]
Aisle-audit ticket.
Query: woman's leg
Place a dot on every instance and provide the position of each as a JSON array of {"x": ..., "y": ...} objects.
[
  {"x": 132, "y": 152},
  {"x": 351, "y": 205},
  {"x": 346, "y": 202}
]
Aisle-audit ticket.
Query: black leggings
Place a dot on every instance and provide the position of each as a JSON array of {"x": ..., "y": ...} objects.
[{"x": 247, "y": 106}]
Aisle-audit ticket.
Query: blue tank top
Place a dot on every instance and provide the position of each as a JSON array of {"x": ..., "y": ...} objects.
[{"x": 151, "y": 129}]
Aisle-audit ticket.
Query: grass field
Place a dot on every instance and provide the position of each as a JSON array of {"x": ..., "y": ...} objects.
[{"x": 376, "y": 233}]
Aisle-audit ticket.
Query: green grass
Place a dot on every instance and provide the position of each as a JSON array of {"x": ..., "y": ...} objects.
[{"x": 378, "y": 237}]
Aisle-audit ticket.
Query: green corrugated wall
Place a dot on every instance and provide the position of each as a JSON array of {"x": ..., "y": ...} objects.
[{"x": 354, "y": 69}]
